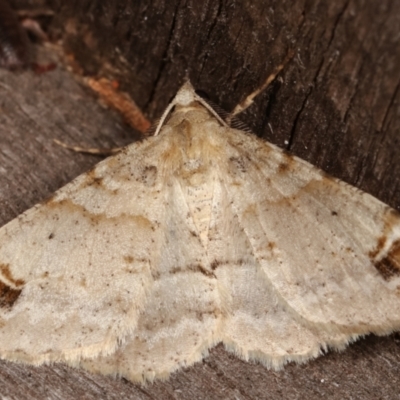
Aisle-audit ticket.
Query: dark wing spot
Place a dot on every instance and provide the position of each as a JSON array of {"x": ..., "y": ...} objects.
[
  {"x": 389, "y": 266},
  {"x": 97, "y": 181},
  {"x": 92, "y": 179},
  {"x": 227, "y": 263},
  {"x": 149, "y": 175},
  {"x": 379, "y": 247},
  {"x": 283, "y": 167},
  {"x": 192, "y": 267},
  {"x": 200, "y": 268},
  {"x": 128, "y": 259},
  {"x": 215, "y": 264},
  {"x": 8, "y": 295},
  {"x": 238, "y": 164},
  {"x": 5, "y": 271}
]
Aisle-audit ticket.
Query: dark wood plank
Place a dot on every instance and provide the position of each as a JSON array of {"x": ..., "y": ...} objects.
[{"x": 338, "y": 106}]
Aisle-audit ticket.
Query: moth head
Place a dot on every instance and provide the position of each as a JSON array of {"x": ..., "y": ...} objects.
[{"x": 185, "y": 95}]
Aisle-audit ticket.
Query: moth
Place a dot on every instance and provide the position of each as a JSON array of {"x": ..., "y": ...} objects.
[{"x": 197, "y": 235}]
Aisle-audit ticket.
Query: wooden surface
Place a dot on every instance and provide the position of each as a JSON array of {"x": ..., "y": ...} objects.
[{"x": 337, "y": 105}]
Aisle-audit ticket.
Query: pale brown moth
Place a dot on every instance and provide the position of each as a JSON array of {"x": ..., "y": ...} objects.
[{"x": 190, "y": 238}]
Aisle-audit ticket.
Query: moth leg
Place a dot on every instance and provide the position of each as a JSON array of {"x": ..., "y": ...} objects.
[{"x": 89, "y": 150}]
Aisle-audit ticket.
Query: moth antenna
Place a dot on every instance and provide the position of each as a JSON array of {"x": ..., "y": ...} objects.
[
  {"x": 163, "y": 117},
  {"x": 248, "y": 101},
  {"x": 212, "y": 111},
  {"x": 89, "y": 150}
]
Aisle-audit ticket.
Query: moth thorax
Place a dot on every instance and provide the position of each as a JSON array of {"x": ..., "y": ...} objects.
[{"x": 199, "y": 198}]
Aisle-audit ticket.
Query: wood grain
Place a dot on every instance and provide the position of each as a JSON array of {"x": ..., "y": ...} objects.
[{"x": 337, "y": 105}]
